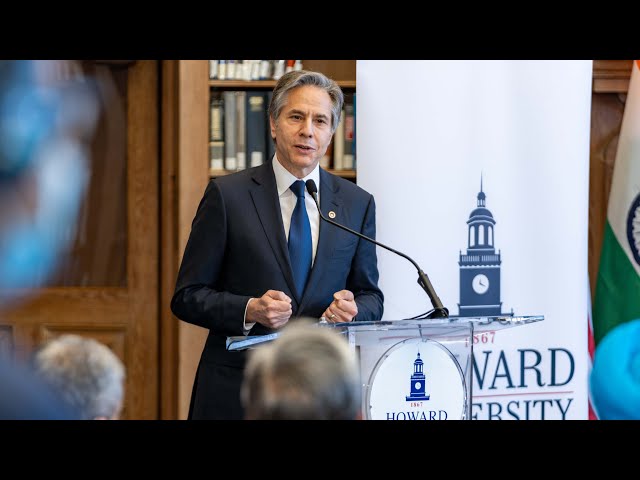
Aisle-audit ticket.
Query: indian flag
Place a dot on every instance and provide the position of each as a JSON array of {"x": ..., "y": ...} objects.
[{"x": 617, "y": 297}]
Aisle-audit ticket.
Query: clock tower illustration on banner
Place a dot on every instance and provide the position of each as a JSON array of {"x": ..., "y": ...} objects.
[
  {"x": 480, "y": 267},
  {"x": 418, "y": 381}
]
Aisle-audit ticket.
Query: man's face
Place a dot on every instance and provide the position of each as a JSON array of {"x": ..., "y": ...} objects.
[{"x": 303, "y": 130}]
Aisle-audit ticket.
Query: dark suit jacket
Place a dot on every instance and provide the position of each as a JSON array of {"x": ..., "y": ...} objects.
[{"x": 237, "y": 249}]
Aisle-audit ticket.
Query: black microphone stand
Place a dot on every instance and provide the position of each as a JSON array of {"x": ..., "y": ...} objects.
[{"x": 439, "y": 311}]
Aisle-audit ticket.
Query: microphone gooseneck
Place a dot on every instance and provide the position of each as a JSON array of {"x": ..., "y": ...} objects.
[{"x": 439, "y": 311}]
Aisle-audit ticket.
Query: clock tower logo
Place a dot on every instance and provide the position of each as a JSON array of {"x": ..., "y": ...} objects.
[{"x": 480, "y": 266}]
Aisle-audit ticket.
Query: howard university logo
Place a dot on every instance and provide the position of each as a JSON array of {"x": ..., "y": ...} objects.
[
  {"x": 437, "y": 392},
  {"x": 418, "y": 380}
]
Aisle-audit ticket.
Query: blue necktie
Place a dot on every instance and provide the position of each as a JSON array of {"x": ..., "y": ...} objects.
[{"x": 300, "y": 249}]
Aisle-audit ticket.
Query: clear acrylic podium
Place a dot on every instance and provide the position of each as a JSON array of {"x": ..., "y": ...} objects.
[
  {"x": 413, "y": 369},
  {"x": 420, "y": 369}
]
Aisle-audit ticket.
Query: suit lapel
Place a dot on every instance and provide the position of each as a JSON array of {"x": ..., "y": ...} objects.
[
  {"x": 264, "y": 193},
  {"x": 330, "y": 200}
]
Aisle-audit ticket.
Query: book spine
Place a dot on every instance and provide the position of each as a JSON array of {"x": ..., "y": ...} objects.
[
  {"x": 265, "y": 70},
  {"x": 347, "y": 153},
  {"x": 230, "y": 133},
  {"x": 355, "y": 132},
  {"x": 216, "y": 134},
  {"x": 271, "y": 146},
  {"x": 338, "y": 144},
  {"x": 213, "y": 69},
  {"x": 241, "y": 120},
  {"x": 222, "y": 69},
  {"x": 325, "y": 161},
  {"x": 231, "y": 69},
  {"x": 255, "y": 127}
]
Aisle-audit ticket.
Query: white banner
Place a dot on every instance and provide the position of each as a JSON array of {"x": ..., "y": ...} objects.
[{"x": 480, "y": 170}]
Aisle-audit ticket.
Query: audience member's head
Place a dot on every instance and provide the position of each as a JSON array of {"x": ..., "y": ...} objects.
[
  {"x": 615, "y": 376},
  {"x": 85, "y": 373},
  {"x": 308, "y": 373}
]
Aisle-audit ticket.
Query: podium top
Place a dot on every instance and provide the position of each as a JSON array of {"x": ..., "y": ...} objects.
[
  {"x": 451, "y": 327},
  {"x": 433, "y": 325},
  {"x": 479, "y": 324}
]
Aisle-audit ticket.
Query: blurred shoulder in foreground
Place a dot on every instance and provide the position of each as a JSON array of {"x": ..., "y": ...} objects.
[
  {"x": 615, "y": 376},
  {"x": 23, "y": 397}
]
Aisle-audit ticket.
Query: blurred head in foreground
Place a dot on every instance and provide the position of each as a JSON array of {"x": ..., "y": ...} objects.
[
  {"x": 307, "y": 373},
  {"x": 615, "y": 376},
  {"x": 47, "y": 117},
  {"x": 24, "y": 397},
  {"x": 86, "y": 374}
]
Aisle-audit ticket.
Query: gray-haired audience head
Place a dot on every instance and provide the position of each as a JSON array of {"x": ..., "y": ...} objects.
[
  {"x": 307, "y": 373},
  {"x": 86, "y": 374},
  {"x": 300, "y": 78}
]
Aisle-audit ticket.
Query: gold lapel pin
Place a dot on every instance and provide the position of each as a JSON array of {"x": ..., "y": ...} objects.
[{"x": 332, "y": 214}]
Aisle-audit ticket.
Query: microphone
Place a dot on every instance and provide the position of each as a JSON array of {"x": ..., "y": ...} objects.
[{"x": 439, "y": 311}]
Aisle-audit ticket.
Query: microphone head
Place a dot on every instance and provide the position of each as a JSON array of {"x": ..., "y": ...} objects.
[{"x": 311, "y": 187}]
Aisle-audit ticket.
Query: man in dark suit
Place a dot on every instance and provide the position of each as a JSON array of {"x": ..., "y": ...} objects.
[{"x": 244, "y": 270}]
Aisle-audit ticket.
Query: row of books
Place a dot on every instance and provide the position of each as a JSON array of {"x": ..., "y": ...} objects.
[
  {"x": 251, "y": 69},
  {"x": 341, "y": 154},
  {"x": 240, "y": 136}
]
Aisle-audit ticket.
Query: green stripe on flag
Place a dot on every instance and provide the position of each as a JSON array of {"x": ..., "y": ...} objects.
[{"x": 617, "y": 298}]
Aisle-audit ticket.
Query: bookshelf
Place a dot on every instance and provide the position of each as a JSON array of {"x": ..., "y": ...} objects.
[
  {"x": 344, "y": 84},
  {"x": 221, "y": 96}
]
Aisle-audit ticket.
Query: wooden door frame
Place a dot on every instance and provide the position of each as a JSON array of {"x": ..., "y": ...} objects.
[
  {"x": 184, "y": 176},
  {"x": 169, "y": 355},
  {"x": 143, "y": 202}
]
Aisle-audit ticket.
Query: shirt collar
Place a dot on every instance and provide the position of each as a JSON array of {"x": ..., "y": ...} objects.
[{"x": 284, "y": 178}]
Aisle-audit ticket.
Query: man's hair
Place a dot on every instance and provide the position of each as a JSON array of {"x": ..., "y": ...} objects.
[
  {"x": 300, "y": 78},
  {"x": 307, "y": 373},
  {"x": 85, "y": 373}
]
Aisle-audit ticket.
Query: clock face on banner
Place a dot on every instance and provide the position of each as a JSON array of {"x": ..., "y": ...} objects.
[{"x": 480, "y": 284}]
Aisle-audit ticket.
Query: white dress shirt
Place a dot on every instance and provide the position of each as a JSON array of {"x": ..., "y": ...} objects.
[{"x": 288, "y": 201}]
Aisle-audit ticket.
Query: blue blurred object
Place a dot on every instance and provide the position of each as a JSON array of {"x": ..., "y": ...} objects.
[
  {"x": 26, "y": 117},
  {"x": 615, "y": 376},
  {"x": 45, "y": 128}
]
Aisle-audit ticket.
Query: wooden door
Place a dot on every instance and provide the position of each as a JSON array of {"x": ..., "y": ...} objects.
[{"x": 107, "y": 288}]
